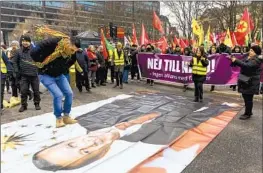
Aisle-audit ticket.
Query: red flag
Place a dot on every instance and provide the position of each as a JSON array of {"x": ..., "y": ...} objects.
[
  {"x": 157, "y": 24},
  {"x": 164, "y": 44},
  {"x": 144, "y": 36},
  {"x": 103, "y": 43},
  {"x": 186, "y": 41},
  {"x": 161, "y": 44},
  {"x": 182, "y": 44},
  {"x": 244, "y": 27},
  {"x": 233, "y": 38},
  {"x": 134, "y": 37},
  {"x": 176, "y": 41},
  {"x": 213, "y": 37}
]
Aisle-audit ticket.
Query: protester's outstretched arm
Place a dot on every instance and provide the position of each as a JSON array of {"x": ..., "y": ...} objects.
[
  {"x": 250, "y": 64},
  {"x": 204, "y": 62},
  {"x": 44, "y": 48},
  {"x": 78, "y": 68},
  {"x": 191, "y": 63}
]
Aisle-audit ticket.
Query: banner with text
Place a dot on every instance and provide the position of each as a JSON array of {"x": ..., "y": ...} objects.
[{"x": 174, "y": 68}]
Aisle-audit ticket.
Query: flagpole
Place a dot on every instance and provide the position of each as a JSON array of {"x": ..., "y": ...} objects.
[{"x": 250, "y": 38}]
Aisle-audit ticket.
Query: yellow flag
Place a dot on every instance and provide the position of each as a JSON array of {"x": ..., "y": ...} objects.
[
  {"x": 207, "y": 39},
  {"x": 228, "y": 40},
  {"x": 196, "y": 27},
  {"x": 201, "y": 36}
]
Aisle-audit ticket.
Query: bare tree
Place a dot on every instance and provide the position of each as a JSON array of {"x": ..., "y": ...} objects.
[
  {"x": 226, "y": 14},
  {"x": 184, "y": 12},
  {"x": 25, "y": 27},
  {"x": 72, "y": 17},
  {"x": 256, "y": 11}
]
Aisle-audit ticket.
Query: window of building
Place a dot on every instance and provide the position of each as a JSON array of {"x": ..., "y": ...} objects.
[{"x": 57, "y": 4}]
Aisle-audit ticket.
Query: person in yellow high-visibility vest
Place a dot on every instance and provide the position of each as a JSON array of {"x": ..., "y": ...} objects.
[
  {"x": 199, "y": 65},
  {"x": 110, "y": 66},
  {"x": 5, "y": 69},
  {"x": 118, "y": 60}
]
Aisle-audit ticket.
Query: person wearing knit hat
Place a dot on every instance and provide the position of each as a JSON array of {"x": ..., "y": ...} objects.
[
  {"x": 11, "y": 51},
  {"x": 28, "y": 72},
  {"x": 249, "y": 78}
]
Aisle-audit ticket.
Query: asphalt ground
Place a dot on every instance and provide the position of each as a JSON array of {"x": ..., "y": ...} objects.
[{"x": 237, "y": 149}]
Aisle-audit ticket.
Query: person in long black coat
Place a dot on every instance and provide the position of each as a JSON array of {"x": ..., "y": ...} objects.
[{"x": 250, "y": 68}]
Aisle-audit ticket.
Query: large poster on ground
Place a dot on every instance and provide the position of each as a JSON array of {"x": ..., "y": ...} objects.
[
  {"x": 137, "y": 133},
  {"x": 174, "y": 68}
]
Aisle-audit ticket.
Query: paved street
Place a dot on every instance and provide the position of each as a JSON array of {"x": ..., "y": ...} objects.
[{"x": 238, "y": 149}]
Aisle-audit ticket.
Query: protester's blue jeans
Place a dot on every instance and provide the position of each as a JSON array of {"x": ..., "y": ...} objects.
[
  {"x": 125, "y": 76},
  {"x": 58, "y": 87},
  {"x": 67, "y": 76}
]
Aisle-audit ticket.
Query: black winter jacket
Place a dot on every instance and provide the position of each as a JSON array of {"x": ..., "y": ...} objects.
[
  {"x": 23, "y": 62},
  {"x": 101, "y": 59},
  {"x": 250, "y": 68},
  {"x": 83, "y": 60},
  {"x": 57, "y": 67}
]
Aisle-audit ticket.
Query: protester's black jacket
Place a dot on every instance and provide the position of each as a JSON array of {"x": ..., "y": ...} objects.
[
  {"x": 83, "y": 60},
  {"x": 23, "y": 62},
  {"x": 58, "y": 66},
  {"x": 250, "y": 68},
  {"x": 134, "y": 54},
  {"x": 101, "y": 59}
]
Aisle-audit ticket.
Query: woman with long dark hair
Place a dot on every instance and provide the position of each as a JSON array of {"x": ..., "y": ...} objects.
[
  {"x": 249, "y": 78},
  {"x": 199, "y": 65}
]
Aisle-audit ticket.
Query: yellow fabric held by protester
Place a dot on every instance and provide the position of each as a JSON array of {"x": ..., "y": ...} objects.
[
  {"x": 198, "y": 67},
  {"x": 72, "y": 73},
  {"x": 3, "y": 66},
  {"x": 118, "y": 60}
]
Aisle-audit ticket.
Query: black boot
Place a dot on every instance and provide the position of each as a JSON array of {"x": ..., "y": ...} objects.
[
  {"x": 185, "y": 88},
  {"x": 37, "y": 107},
  {"x": 244, "y": 117},
  {"x": 22, "y": 108},
  {"x": 212, "y": 88},
  {"x": 196, "y": 99}
]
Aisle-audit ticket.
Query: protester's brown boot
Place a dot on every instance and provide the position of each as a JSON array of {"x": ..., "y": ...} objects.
[
  {"x": 69, "y": 120},
  {"x": 60, "y": 123}
]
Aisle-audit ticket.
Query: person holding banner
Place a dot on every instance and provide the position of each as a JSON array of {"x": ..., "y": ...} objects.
[
  {"x": 213, "y": 50},
  {"x": 187, "y": 52},
  {"x": 199, "y": 65},
  {"x": 150, "y": 48},
  {"x": 249, "y": 78}
]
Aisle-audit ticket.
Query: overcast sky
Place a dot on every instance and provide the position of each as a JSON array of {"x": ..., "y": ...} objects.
[{"x": 166, "y": 12}]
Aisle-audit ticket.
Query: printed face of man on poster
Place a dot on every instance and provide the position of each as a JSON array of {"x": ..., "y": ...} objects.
[{"x": 83, "y": 150}]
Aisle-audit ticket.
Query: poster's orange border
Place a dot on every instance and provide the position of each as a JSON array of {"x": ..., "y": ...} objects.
[{"x": 202, "y": 135}]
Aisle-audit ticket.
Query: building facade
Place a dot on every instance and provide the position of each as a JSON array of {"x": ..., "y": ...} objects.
[{"x": 78, "y": 15}]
